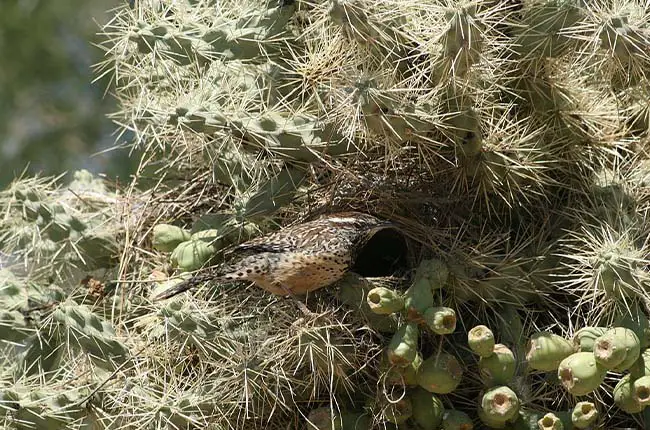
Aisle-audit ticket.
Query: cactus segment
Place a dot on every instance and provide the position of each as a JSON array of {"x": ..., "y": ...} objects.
[
  {"x": 498, "y": 368},
  {"x": 427, "y": 409},
  {"x": 481, "y": 340},
  {"x": 636, "y": 320},
  {"x": 584, "y": 414},
  {"x": 580, "y": 373},
  {"x": 417, "y": 299},
  {"x": 545, "y": 350},
  {"x": 384, "y": 301},
  {"x": 617, "y": 349},
  {"x": 440, "y": 320},
  {"x": 403, "y": 347},
  {"x": 95, "y": 336},
  {"x": 434, "y": 271},
  {"x": 430, "y": 276},
  {"x": 441, "y": 373},
  {"x": 273, "y": 194}
]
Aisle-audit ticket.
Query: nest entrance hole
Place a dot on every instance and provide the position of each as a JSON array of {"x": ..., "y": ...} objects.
[{"x": 385, "y": 254}]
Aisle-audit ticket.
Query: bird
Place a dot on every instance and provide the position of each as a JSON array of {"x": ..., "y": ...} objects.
[{"x": 295, "y": 260}]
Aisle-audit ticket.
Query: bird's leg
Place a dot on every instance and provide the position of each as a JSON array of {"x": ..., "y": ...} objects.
[{"x": 303, "y": 307}]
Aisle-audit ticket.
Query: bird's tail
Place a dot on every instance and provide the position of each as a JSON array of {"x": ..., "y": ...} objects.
[{"x": 186, "y": 285}]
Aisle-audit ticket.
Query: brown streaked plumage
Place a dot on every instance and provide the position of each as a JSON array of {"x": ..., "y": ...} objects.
[{"x": 297, "y": 259}]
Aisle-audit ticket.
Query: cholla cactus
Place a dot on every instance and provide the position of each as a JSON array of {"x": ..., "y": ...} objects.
[{"x": 508, "y": 140}]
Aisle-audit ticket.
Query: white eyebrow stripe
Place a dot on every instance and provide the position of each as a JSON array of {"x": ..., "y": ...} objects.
[{"x": 343, "y": 219}]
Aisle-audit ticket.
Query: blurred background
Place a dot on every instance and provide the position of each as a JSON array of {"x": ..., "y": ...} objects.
[{"x": 52, "y": 115}]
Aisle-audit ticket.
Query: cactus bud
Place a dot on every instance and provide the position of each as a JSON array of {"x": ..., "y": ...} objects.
[
  {"x": 192, "y": 255},
  {"x": 617, "y": 349},
  {"x": 584, "y": 414},
  {"x": 580, "y": 373},
  {"x": 456, "y": 420},
  {"x": 403, "y": 347},
  {"x": 440, "y": 320},
  {"x": 427, "y": 409},
  {"x": 481, "y": 340},
  {"x": 584, "y": 339},
  {"x": 384, "y": 301},
  {"x": 167, "y": 237},
  {"x": 441, "y": 373},
  {"x": 545, "y": 350},
  {"x": 499, "y": 368},
  {"x": 498, "y": 405},
  {"x": 550, "y": 422}
]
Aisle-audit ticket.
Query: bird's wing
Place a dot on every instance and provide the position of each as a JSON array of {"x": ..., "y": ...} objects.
[{"x": 260, "y": 247}]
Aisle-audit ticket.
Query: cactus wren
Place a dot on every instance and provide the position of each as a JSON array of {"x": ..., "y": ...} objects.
[{"x": 295, "y": 260}]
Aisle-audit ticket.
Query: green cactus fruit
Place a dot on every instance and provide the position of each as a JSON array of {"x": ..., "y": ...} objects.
[
  {"x": 498, "y": 405},
  {"x": 324, "y": 419},
  {"x": 580, "y": 373},
  {"x": 440, "y": 320},
  {"x": 498, "y": 368},
  {"x": 456, "y": 420},
  {"x": 427, "y": 409},
  {"x": 545, "y": 350},
  {"x": 403, "y": 347},
  {"x": 352, "y": 292},
  {"x": 641, "y": 390},
  {"x": 617, "y": 349},
  {"x": 481, "y": 340},
  {"x": 384, "y": 301},
  {"x": 441, "y": 373},
  {"x": 192, "y": 255},
  {"x": 624, "y": 396},
  {"x": 398, "y": 412},
  {"x": 166, "y": 237},
  {"x": 550, "y": 421},
  {"x": 417, "y": 299},
  {"x": 403, "y": 375},
  {"x": 584, "y": 339},
  {"x": 584, "y": 414}
]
